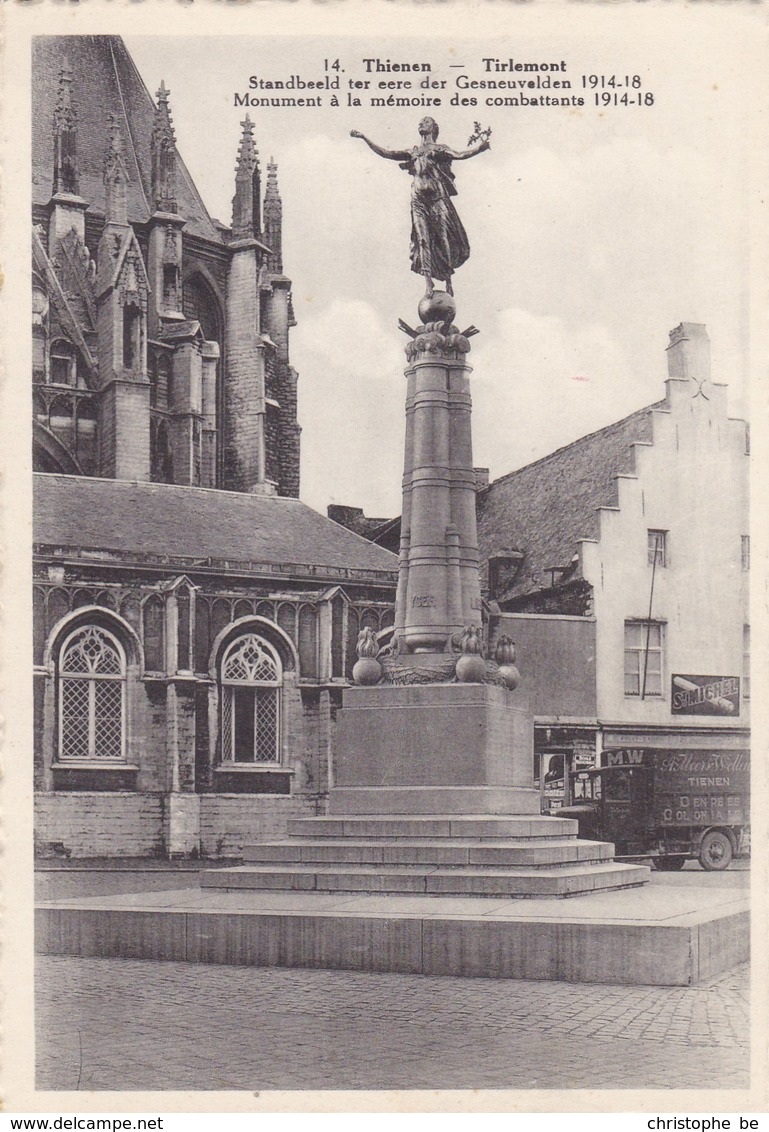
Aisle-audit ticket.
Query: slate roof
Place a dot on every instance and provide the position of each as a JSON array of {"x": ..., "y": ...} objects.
[
  {"x": 194, "y": 523},
  {"x": 105, "y": 81},
  {"x": 544, "y": 508}
]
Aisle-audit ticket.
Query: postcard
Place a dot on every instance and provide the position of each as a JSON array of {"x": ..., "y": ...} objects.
[{"x": 384, "y": 564}]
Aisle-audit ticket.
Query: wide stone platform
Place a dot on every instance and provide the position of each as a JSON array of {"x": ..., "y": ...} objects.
[
  {"x": 512, "y": 855},
  {"x": 649, "y": 935}
]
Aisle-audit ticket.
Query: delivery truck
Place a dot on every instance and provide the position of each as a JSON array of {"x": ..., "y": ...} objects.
[{"x": 669, "y": 805}]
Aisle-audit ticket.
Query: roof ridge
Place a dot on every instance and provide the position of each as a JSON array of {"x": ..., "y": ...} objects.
[
  {"x": 178, "y": 487},
  {"x": 573, "y": 444},
  {"x": 126, "y": 119}
]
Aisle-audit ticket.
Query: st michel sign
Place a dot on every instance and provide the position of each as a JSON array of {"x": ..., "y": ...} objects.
[{"x": 705, "y": 695}]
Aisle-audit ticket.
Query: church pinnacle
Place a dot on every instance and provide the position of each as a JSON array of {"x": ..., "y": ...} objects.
[
  {"x": 246, "y": 223},
  {"x": 65, "y": 174},
  {"x": 115, "y": 174},
  {"x": 163, "y": 148},
  {"x": 273, "y": 220}
]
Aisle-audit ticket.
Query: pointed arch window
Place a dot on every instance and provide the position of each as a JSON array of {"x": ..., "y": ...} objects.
[
  {"x": 161, "y": 458},
  {"x": 132, "y": 318},
  {"x": 63, "y": 362},
  {"x": 153, "y": 633},
  {"x": 39, "y": 330},
  {"x": 92, "y": 694},
  {"x": 251, "y": 678}
]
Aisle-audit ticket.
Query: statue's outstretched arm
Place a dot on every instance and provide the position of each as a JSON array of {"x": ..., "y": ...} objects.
[
  {"x": 390, "y": 154},
  {"x": 461, "y": 154}
]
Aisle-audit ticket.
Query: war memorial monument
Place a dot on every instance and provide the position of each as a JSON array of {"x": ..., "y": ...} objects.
[{"x": 433, "y": 857}]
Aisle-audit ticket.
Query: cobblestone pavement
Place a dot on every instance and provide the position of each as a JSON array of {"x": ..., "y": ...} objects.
[{"x": 138, "y": 1024}]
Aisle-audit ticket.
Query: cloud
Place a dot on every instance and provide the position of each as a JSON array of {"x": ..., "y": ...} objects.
[
  {"x": 539, "y": 383},
  {"x": 351, "y": 396},
  {"x": 346, "y": 220}
]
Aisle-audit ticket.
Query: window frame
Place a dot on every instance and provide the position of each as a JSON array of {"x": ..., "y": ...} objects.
[
  {"x": 228, "y": 712},
  {"x": 660, "y": 554},
  {"x": 745, "y": 551},
  {"x": 644, "y": 624},
  {"x": 61, "y": 350},
  {"x": 91, "y": 678}
]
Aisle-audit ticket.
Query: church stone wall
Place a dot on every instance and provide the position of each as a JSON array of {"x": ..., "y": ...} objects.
[
  {"x": 230, "y": 821},
  {"x": 99, "y": 824}
]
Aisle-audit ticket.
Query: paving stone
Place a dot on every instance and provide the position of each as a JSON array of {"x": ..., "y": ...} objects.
[{"x": 134, "y": 1024}]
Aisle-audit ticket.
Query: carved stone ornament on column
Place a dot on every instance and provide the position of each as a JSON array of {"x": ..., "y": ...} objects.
[
  {"x": 505, "y": 657},
  {"x": 471, "y": 667},
  {"x": 367, "y": 670}
]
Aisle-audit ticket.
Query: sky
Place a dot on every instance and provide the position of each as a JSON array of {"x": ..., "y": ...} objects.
[{"x": 594, "y": 231}]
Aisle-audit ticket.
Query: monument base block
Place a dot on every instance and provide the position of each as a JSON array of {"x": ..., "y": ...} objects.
[
  {"x": 432, "y": 800},
  {"x": 433, "y": 749}
]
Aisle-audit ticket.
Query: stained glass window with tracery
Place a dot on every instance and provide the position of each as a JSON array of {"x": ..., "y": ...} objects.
[
  {"x": 251, "y": 675},
  {"x": 92, "y": 675}
]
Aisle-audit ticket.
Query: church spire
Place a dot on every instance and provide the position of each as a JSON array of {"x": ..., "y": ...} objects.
[
  {"x": 273, "y": 220},
  {"x": 115, "y": 174},
  {"x": 65, "y": 175},
  {"x": 163, "y": 147},
  {"x": 246, "y": 223}
]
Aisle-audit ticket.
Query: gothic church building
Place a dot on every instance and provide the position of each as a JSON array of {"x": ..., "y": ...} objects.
[{"x": 194, "y": 621}]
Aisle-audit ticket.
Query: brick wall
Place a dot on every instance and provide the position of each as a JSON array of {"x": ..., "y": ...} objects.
[
  {"x": 290, "y": 433},
  {"x": 316, "y": 708},
  {"x": 272, "y": 443},
  {"x": 230, "y": 821},
  {"x": 124, "y": 431},
  {"x": 100, "y": 824}
]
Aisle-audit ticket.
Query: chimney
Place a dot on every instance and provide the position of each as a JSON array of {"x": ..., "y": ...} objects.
[{"x": 689, "y": 352}]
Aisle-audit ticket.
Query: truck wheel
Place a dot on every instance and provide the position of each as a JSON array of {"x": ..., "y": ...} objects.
[
  {"x": 715, "y": 851},
  {"x": 668, "y": 864}
]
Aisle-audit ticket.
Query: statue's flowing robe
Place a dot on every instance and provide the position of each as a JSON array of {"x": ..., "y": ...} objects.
[{"x": 438, "y": 241}]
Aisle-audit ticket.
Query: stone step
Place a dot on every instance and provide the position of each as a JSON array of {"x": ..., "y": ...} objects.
[
  {"x": 436, "y": 826},
  {"x": 510, "y": 882},
  {"x": 433, "y": 851}
]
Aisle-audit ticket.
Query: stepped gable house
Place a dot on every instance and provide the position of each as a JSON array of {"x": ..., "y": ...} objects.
[
  {"x": 193, "y": 619},
  {"x": 620, "y": 565}
]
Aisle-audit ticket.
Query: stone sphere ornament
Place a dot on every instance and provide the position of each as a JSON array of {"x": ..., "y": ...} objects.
[
  {"x": 438, "y": 307},
  {"x": 367, "y": 671},
  {"x": 510, "y": 675},
  {"x": 471, "y": 669}
]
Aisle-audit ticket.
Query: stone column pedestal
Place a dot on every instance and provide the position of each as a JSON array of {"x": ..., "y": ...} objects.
[
  {"x": 433, "y": 749},
  {"x": 438, "y": 588}
]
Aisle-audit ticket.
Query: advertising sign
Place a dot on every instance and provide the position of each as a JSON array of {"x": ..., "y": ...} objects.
[{"x": 705, "y": 695}]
